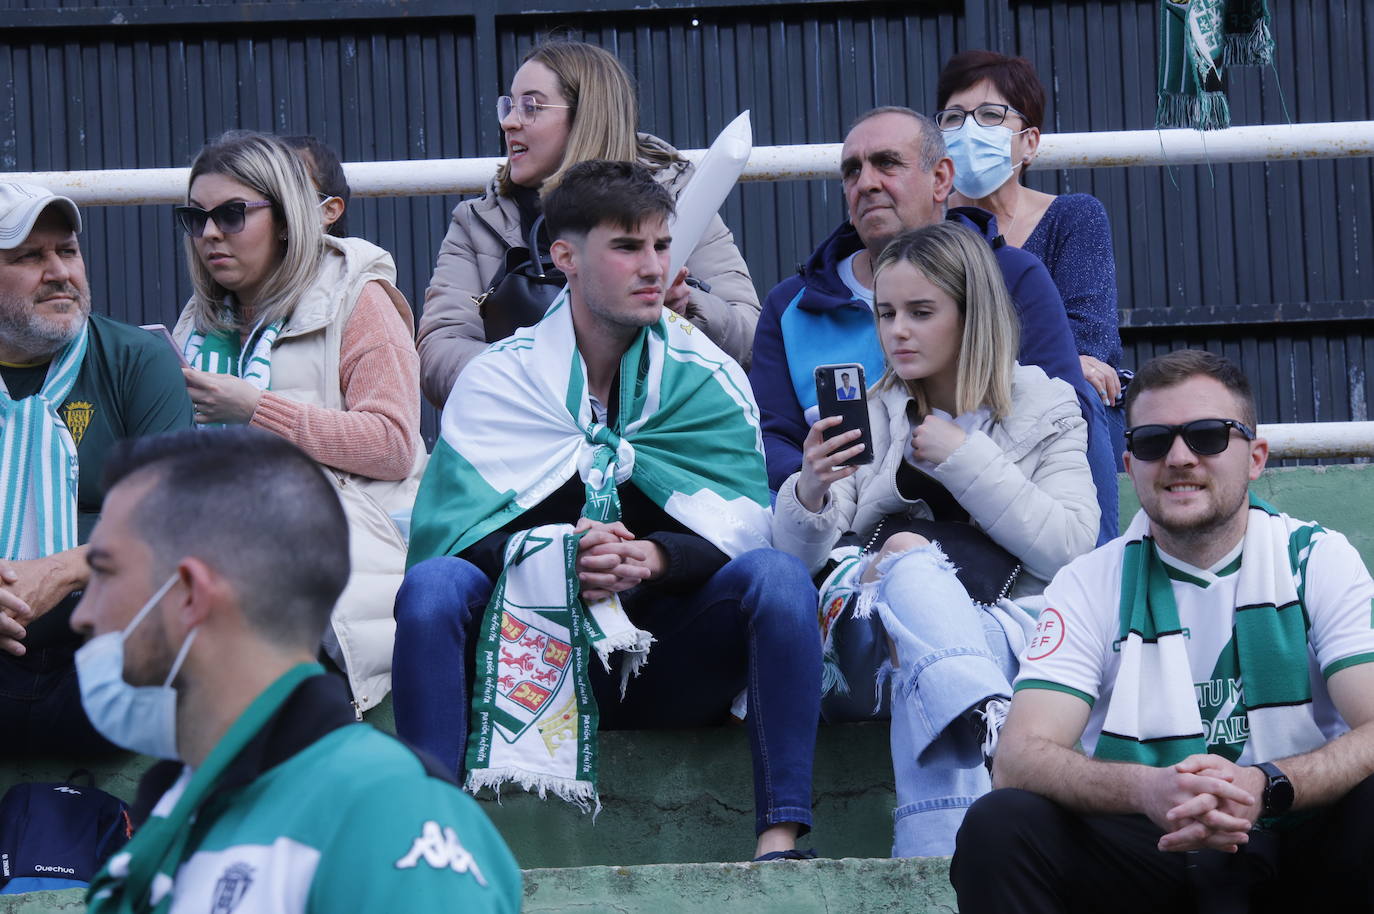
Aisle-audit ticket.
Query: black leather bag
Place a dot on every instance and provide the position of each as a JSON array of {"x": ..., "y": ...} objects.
[
  {"x": 986, "y": 570},
  {"x": 521, "y": 292}
]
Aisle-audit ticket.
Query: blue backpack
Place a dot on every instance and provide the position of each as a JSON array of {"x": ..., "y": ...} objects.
[{"x": 58, "y": 836}]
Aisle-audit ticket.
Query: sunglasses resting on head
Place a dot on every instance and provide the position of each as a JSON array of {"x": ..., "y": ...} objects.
[{"x": 1205, "y": 437}]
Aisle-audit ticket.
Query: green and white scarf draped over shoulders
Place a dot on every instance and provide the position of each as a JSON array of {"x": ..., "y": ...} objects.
[
  {"x": 1153, "y": 717},
  {"x": 516, "y": 427},
  {"x": 38, "y": 462},
  {"x": 248, "y": 357}
]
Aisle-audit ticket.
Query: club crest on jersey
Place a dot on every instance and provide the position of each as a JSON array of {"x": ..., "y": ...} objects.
[
  {"x": 230, "y": 888},
  {"x": 77, "y": 417},
  {"x": 441, "y": 849}
]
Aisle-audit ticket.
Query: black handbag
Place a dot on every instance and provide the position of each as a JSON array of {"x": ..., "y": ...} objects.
[
  {"x": 986, "y": 570},
  {"x": 522, "y": 290}
]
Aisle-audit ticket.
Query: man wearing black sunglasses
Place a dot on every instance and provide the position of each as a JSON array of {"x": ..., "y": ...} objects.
[
  {"x": 72, "y": 383},
  {"x": 1215, "y": 664}
]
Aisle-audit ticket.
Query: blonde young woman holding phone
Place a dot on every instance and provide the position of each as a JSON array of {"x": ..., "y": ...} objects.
[{"x": 986, "y": 448}]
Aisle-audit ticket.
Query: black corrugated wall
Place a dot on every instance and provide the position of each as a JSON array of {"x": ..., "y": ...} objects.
[{"x": 1271, "y": 263}]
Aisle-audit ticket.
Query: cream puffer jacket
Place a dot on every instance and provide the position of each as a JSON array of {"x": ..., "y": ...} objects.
[
  {"x": 481, "y": 230},
  {"x": 1023, "y": 480},
  {"x": 305, "y": 368}
]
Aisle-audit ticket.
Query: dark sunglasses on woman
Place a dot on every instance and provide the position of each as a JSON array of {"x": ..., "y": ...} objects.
[
  {"x": 1205, "y": 437},
  {"x": 228, "y": 216}
]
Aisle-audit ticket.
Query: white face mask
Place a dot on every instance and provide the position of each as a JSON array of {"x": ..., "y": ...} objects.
[
  {"x": 982, "y": 157},
  {"x": 139, "y": 718}
]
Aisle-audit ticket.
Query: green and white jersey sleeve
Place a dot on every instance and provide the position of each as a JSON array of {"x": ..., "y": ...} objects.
[{"x": 352, "y": 823}]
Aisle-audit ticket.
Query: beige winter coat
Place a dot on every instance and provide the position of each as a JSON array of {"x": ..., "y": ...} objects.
[
  {"x": 305, "y": 368},
  {"x": 1024, "y": 481},
  {"x": 451, "y": 330}
]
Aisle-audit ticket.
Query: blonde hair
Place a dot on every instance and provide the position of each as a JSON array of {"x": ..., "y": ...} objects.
[
  {"x": 961, "y": 264},
  {"x": 604, "y": 110},
  {"x": 268, "y": 166}
]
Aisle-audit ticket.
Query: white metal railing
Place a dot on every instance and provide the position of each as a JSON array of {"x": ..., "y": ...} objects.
[
  {"x": 1319, "y": 439},
  {"x": 415, "y": 177},
  {"x": 1349, "y": 139}
]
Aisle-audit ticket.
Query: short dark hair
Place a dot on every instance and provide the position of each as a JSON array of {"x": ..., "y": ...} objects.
[
  {"x": 1174, "y": 368},
  {"x": 1014, "y": 77},
  {"x": 597, "y": 192},
  {"x": 327, "y": 173},
  {"x": 255, "y": 508},
  {"x": 932, "y": 141}
]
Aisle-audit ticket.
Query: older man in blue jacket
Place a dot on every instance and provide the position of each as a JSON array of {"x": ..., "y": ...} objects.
[{"x": 897, "y": 176}]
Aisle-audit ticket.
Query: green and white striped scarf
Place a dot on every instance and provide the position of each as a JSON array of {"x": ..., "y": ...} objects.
[
  {"x": 224, "y": 353},
  {"x": 140, "y": 878},
  {"x": 516, "y": 427},
  {"x": 1153, "y": 717},
  {"x": 1197, "y": 39},
  {"x": 38, "y": 462}
]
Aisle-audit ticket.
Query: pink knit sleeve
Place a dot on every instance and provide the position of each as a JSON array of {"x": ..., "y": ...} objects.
[{"x": 377, "y": 433}]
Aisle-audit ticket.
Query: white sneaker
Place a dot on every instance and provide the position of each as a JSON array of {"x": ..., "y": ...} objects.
[{"x": 991, "y": 717}]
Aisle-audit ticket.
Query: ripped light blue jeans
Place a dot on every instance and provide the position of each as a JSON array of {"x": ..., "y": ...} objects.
[{"x": 951, "y": 655}]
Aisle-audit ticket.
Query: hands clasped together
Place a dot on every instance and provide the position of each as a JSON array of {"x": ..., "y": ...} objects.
[
  {"x": 1203, "y": 801},
  {"x": 28, "y": 589},
  {"x": 610, "y": 559}
]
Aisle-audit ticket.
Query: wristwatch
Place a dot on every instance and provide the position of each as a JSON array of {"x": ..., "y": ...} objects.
[{"x": 1278, "y": 791}]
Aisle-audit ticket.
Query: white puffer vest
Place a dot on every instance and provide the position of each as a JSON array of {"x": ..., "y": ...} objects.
[{"x": 305, "y": 368}]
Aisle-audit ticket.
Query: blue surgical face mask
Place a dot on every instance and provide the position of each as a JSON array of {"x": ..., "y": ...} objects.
[
  {"x": 139, "y": 718},
  {"x": 982, "y": 157}
]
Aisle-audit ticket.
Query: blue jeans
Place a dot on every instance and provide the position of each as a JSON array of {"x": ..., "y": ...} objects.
[
  {"x": 951, "y": 655},
  {"x": 1103, "y": 463},
  {"x": 751, "y": 625}
]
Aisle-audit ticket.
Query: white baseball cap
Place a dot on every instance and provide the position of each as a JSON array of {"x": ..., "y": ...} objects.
[{"x": 20, "y": 207}]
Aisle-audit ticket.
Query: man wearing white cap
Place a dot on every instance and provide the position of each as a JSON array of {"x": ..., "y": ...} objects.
[{"x": 71, "y": 384}]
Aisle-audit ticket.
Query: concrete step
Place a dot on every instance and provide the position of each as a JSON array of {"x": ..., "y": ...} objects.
[
  {"x": 668, "y": 796},
  {"x": 791, "y": 887}
]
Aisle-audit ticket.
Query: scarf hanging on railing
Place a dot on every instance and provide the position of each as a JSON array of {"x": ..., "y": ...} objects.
[{"x": 1198, "y": 39}]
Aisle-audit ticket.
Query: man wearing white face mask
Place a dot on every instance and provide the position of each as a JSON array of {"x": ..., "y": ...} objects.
[
  {"x": 897, "y": 176},
  {"x": 203, "y": 654}
]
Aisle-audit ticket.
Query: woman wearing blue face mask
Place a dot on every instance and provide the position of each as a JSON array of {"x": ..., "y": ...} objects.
[{"x": 990, "y": 109}]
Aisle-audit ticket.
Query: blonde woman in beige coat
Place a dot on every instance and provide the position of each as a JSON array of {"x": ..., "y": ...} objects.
[
  {"x": 963, "y": 433},
  {"x": 569, "y": 102}
]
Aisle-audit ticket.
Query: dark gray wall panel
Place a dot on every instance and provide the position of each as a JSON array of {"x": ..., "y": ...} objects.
[{"x": 1208, "y": 256}]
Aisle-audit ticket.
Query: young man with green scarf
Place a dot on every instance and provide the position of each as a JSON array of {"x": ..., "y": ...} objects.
[
  {"x": 213, "y": 572},
  {"x": 1216, "y": 663},
  {"x": 71, "y": 384},
  {"x": 598, "y": 496}
]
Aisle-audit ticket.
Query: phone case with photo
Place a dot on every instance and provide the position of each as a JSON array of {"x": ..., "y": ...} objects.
[{"x": 850, "y": 404}]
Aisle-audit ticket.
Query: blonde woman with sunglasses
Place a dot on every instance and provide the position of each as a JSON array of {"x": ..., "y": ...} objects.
[
  {"x": 569, "y": 102},
  {"x": 305, "y": 335}
]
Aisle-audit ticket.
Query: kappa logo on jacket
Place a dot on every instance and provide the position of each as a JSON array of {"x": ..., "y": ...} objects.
[{"x": 441, "y": 849}]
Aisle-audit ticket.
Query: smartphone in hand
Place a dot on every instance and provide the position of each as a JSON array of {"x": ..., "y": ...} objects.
[
  {"x": 841, "y": 391},
  {"x": 161, "y": 331}
]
